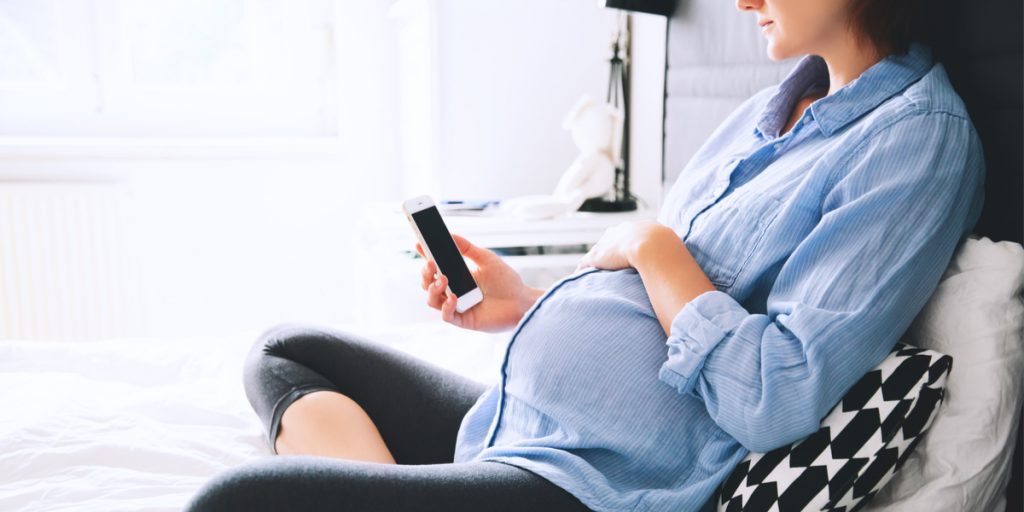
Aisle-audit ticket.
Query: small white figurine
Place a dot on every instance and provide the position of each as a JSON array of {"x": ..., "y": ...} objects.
[{"x": 596, "y": 128}]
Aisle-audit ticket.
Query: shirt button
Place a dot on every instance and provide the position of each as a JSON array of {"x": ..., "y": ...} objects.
[{"x": 778, "y": 146}]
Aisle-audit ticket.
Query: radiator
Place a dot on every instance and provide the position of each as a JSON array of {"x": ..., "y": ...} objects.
[{"x": 64, "y": 273}]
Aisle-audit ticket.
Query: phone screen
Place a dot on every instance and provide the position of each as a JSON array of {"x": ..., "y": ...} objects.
[{"x": 446, "y": 254}]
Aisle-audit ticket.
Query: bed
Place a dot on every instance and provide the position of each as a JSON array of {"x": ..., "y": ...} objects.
[{"x": 140, "y": 424}]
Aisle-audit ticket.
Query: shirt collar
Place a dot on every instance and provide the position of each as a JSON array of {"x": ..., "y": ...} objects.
[{"x": 877, "y": 84}]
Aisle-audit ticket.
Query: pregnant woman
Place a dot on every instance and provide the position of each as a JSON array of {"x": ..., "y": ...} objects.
[{"x": 793, "y": 251}]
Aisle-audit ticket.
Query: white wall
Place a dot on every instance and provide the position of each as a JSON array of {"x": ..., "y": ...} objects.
[
  {"x": 221, "y": 245},
  {"x": 509, "y": 72},
  {"x": 647, "y": 109},
  {"x": 242, "y": 245},
  {"x": 240, "y": 236}
]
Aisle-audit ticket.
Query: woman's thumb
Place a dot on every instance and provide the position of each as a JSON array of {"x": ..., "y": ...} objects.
[{"x": 469, "y": 250}]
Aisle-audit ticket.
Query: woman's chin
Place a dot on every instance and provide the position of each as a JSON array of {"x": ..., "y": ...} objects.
[{"x": 777, "y": 53}]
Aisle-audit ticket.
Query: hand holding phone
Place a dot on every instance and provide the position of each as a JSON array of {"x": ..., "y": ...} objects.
[
  {"x": 440, "y": 248},
  {"x": 507, "y": 298}
]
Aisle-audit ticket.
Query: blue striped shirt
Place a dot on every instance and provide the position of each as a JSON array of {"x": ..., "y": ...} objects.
[{"x": 823, "y": 244}]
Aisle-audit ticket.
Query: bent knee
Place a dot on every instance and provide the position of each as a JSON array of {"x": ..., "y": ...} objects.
[
  {"x": 250, "y": 487},
  {"x": 301, "y": 483},
  {"x": 285, "y": 338},
  {"x": 296, "y": 343},
  {"x": 268, "y": 351},
  {"x": 277, "y": 337},
  {"x": 275, "y": 342}
]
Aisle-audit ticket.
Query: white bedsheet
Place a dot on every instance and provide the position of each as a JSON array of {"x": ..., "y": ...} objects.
[{"x": 141, "y": 424}]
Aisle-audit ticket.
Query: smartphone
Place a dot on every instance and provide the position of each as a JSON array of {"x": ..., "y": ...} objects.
[{"x": 440, "y": 247}]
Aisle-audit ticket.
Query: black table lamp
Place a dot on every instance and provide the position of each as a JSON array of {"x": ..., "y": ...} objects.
[
  {"x": 618, "y": 96},
  {"x": 662, "y": 7}
]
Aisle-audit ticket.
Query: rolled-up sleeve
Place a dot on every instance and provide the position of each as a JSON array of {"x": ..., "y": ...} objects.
[
  {"x": 890, "y": 221},
  {"x": 695, "y": 331}
]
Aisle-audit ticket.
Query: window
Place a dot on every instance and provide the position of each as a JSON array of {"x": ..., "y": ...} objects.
[{"x": 179, "y": 69}]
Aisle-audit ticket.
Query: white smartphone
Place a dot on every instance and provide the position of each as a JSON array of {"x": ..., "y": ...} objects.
[{"x": 440, "y": 247}]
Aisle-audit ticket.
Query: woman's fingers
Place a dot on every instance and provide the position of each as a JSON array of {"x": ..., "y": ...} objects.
[
  {"x": 438, "y": 298},
  {"x": 436, "y": 295},
  {"x": 447, "y": 310},
  {"x": 428, "y": 274},
  {"x": 475, "y": 253},
  {"x": 448, "y": 313}
]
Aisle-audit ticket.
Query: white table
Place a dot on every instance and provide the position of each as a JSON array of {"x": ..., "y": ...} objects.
[{"x": 544, "y": 250}]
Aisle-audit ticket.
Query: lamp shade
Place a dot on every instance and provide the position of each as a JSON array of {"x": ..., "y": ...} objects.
[{"x": 661, "y": 7}]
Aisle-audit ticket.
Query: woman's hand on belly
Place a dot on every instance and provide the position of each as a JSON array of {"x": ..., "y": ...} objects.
[
  {"x": 617, "y": 246},
  {"x": 506, "y": 297},
  {"x": 671, "y": 277}
]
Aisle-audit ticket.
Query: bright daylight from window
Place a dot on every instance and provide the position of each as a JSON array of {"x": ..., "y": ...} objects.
[
  {"x": 219, "y": 166},
  {"x": 226, "y": 68}
]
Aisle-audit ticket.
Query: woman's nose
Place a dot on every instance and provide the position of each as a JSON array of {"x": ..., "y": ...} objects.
[{"x": 749, "y": 5}]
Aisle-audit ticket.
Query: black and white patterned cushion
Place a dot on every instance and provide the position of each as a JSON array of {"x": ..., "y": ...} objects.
[{"x": 861, "y": 443}]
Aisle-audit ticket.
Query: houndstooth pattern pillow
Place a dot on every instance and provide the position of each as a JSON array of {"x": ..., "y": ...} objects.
[{"x": 861, "y": 443}]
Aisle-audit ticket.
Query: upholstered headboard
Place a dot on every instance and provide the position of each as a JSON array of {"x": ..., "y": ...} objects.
[
  {"x": 715, "y": 60},
  {"x": 984, "y": 59}
]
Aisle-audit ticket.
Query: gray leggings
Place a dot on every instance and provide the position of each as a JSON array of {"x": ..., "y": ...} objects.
[{"x": 417, "y": 407}]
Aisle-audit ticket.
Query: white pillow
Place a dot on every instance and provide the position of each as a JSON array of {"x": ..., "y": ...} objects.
[{"x": 976, "y": 315}]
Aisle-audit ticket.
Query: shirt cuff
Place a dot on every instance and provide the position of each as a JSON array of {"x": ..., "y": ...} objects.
[{"x": 696, "y": 330}]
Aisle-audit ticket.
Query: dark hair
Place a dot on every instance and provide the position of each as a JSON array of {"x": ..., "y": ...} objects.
[{"x": 891, "y": 25}]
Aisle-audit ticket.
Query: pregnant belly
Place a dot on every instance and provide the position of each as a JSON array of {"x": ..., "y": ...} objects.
[{"x": 590, "y": 354}]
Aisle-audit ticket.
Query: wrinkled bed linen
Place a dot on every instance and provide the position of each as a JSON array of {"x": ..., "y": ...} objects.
[{"x": 141, "y": 424}]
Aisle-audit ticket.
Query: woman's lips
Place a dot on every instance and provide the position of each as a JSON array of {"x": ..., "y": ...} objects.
[{"x": 767, "y": 26}]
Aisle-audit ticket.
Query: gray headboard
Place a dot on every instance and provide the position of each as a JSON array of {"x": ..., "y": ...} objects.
[{"x": 715, "y": 60}]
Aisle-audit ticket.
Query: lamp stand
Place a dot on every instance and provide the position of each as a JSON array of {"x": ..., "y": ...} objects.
[{"x": 618, "y": 94}]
